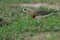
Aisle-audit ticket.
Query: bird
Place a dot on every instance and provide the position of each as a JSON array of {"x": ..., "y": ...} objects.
[{"x": 33, "y": 14}]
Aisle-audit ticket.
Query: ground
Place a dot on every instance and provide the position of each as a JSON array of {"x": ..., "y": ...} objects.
[{"x": 24, "y": 27}]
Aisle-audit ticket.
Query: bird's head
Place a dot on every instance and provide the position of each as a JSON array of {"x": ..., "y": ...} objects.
[{"x": 26, "y": 10}]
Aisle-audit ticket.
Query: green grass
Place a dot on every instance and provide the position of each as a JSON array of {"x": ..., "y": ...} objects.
[
  {"x": 30, "y": 1},
  {"x": 22, "y": 23}
]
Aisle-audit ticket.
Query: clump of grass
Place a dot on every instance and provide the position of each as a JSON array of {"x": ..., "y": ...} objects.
[{"x": 30, "y": 1}]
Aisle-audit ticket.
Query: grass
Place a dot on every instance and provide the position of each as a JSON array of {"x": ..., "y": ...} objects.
[
  {"x": 31, "y": 1},
  {"x": 22, "y": 23}
]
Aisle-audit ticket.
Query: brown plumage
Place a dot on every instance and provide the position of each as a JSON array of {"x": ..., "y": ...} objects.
[{"x": 33, "y": 14}]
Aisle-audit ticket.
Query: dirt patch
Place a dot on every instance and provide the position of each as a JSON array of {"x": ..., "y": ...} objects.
[
  {"x": 44, "y": 36},
  {"x": 37, "y": 5}
]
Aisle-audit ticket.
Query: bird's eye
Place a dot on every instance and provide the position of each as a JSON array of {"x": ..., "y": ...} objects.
[{"x": 25, "y": 9}]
